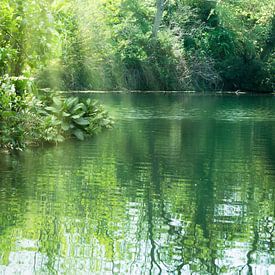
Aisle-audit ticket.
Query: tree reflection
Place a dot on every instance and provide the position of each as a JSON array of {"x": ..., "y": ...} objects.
[{"x": 156, "y": 194}]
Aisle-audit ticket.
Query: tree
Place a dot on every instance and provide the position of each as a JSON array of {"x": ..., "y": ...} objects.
[{"x": 158, "y": 17}]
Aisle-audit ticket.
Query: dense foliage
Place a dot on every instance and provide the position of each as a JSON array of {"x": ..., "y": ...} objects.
[
  {"x": 140, "y": 44},
  {"x": 26, "y": 118},
  {"x": 31, "y": 37},
  {"x": 164, "y": 45}
]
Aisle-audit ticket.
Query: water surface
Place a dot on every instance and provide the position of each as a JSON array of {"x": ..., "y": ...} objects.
[{"x": 183, "y": 184}]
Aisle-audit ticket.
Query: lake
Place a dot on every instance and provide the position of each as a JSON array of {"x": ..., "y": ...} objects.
[{"x": 183, "y": 184}]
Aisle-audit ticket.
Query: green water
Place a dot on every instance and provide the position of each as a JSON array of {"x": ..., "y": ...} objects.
[{"x": 183, "y": 184}]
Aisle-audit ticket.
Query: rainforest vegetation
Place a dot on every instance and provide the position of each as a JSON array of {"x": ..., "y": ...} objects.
[{"x": 56, "y": 45}]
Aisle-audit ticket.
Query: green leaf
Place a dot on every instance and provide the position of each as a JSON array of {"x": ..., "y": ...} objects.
[
  {"x": 52, "y": 109},
  {"x": 65, "y": 114},
  {"x": 71, "y": 101},
  {"x": 59, "y": 138},
  {"x": 78, "y": 107},
  {"x": 79, "y": 134},
  {"x": 88, "y": 102},
  {"x": 82, "y": 121},
  {"x": 65, "y": 126},
  {"x": 57, "y": 101},
  {"x": 78, "y": 115}
]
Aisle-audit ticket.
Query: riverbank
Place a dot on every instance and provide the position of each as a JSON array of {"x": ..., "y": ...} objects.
[
  {"x": 30, "y": 118},
  {"x": 168, "y": 92}
]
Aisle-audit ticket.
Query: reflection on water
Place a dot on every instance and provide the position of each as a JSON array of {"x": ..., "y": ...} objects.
[{"x": 182, "y": 185}]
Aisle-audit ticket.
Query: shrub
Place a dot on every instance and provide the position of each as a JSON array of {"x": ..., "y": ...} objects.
[
  {"x": 74, "y": 117},
  {"x": 28, "y": 119}
]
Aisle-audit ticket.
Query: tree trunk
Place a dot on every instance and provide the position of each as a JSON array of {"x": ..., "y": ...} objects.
[
  {"x": 19, "y": 41},
  {"x": 158, "y": 17}
]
